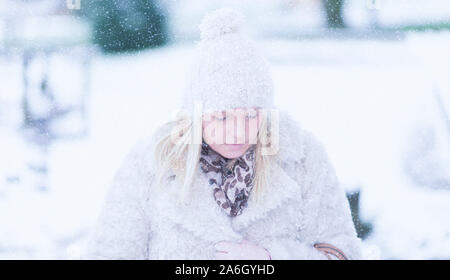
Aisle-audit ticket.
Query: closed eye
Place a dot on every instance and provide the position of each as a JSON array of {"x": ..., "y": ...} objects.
[{"x": 222, "y": 118}]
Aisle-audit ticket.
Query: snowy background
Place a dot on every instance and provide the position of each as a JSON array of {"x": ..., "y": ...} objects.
[{"x": 377, "y": 94}]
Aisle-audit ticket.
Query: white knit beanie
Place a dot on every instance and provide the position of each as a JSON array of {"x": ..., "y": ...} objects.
[{"x": 227, "y": 71}]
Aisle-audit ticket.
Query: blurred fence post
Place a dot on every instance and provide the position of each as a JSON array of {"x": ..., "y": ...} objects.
[{"x": 363, "y": 229}]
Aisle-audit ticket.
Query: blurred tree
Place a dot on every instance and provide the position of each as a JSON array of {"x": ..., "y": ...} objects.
[
  {"x": 126, "y": 25},
  {"x": 333, "y": 13}
]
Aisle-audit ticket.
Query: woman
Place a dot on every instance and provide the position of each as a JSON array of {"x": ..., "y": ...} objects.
[{"x": 188, "y": 193}]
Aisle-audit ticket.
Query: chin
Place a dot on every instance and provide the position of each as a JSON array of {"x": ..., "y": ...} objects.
[{"x": 233, "y": 154}]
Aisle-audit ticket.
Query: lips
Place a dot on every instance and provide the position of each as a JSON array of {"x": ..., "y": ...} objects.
[{"x": 234, "y": 146}]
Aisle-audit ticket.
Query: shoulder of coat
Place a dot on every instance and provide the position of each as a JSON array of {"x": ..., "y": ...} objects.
[
  {"x": 291, "y": 139},
  {"x": 143, "y": 150},
  {"x": 315, "y": 149},
  {"x": 299, "y": 146}
]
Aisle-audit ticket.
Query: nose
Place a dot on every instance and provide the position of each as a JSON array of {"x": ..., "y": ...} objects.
[{"x": 235, "y": 130}]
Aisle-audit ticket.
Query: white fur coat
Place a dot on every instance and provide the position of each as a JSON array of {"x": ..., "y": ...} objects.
[{"x": 306, "y": 205}]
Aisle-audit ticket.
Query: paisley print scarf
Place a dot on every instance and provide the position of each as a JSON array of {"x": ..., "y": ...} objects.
[{"x": 231, "y": 179}]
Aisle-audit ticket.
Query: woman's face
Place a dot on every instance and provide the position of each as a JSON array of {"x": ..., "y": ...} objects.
[{"x": 230, "y": 133}]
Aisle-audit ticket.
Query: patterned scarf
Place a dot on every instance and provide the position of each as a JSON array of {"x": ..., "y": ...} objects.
[{"x": 231, "y": 184}]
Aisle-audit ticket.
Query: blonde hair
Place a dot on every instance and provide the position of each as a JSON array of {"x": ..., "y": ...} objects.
[{"x": 175, "y": 151}]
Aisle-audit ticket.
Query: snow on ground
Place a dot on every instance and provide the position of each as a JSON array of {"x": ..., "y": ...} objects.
[{"x": 361, "y": 98}]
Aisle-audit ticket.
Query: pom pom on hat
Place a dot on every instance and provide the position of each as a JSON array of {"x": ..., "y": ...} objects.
[
  {"x": 227, "y": 71},
  {"x": 220, "y": 22}
]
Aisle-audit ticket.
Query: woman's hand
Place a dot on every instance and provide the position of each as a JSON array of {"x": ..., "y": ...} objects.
[{"x": 244, "y": 250}]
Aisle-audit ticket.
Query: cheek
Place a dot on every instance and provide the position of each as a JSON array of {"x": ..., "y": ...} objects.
[{"x": 212, "y": 131}]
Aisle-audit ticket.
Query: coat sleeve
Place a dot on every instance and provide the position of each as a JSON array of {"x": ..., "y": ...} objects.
[
  {"x": 122, "y": 230},
  {"x": 326, "y": 216}
]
